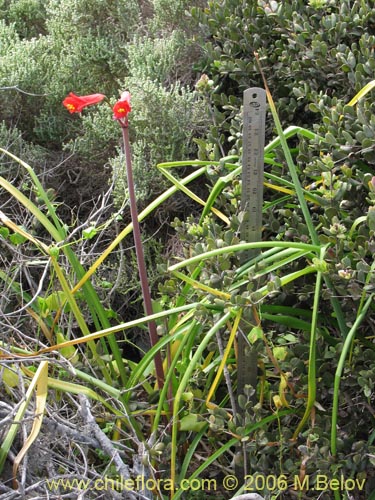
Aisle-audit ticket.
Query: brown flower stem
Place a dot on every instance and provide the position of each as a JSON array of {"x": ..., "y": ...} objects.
[{"x": 139, "y": 252}]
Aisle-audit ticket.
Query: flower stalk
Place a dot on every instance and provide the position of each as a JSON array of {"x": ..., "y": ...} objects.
[
  {"x": 139, "y": 252},
  {"x": 75, "y": 104}
]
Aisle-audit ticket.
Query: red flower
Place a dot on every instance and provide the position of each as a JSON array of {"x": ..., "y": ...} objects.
[
  {"x": 122, "y": 107},
  {"x": 75, "y": 103}
]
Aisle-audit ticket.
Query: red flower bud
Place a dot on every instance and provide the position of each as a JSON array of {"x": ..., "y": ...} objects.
[
  {"x": 122, "y": 107},
  {"x": 75, "y": 103}
]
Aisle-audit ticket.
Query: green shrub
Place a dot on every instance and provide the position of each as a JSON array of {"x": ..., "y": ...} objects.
[
  {"x": 165, "y": 116},
  {"x": 167, "y": 112},
  {"x": 28, "y": 16},
  {"x": 162, "y": 125},
  {"x": 115, "y": 20},
  {"x": 305, "y": 49},
  {"x": 83, "y": 48},
  {"x": 168, "y": 16},
  {"x": 316, "y": 56},
  {"x": 165, "y": 58},
  {"x": 86, "y": 46}
]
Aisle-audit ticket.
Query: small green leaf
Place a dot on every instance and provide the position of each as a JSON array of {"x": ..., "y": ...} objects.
[
  {"x": 4, "y": 232},
  {"x": 280, "y": 353},
  {"x": 320, "y": 265},
  {"x": 255, "y": 334},
  {"x": 17, "y": 239},
  {"x": 54, "y": 301},
  {"x": 242, "y": 401},
  {"x": 89, "y": 232},
  {"x": 54, "y": 251},
  {"x": 187, "y": 396},
  {"x": 106, "y": 284},
  {"x": 190, "y": 423},
  {"x": 68, "y": 352},
  {"x": 371, "y": 220},
  {"x": 289, "y": 337}
]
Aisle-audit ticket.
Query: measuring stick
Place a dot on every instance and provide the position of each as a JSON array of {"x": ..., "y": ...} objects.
[{"x": 254, "y": 112}]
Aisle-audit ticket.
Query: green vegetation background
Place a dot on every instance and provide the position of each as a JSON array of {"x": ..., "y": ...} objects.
[{"x": 316, "y": 56}]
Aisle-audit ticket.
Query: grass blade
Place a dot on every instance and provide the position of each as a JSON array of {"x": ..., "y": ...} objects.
[
  {"x": 38, "y": 377},
  {"x": 41, "y": 377}
]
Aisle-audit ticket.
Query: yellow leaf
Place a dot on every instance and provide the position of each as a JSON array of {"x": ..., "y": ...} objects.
[
  {"x": 69, "y": 352},
  {"x": 369, "y": 86},
  {"x": 10, "y": 377},
  {"x": 277, "y": 402},
  {"x": 283, "y": 387},
  {"x": 41, "y": 324},
  {"x": 40, "y": 383}
]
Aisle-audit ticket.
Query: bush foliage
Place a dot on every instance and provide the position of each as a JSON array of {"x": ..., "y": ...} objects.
[
  {"x": 186, "y": 65},
  {"x": 88, "y": 47}
]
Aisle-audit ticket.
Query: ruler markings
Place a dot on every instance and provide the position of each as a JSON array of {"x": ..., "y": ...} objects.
[{"x": 254, "y": 110}]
